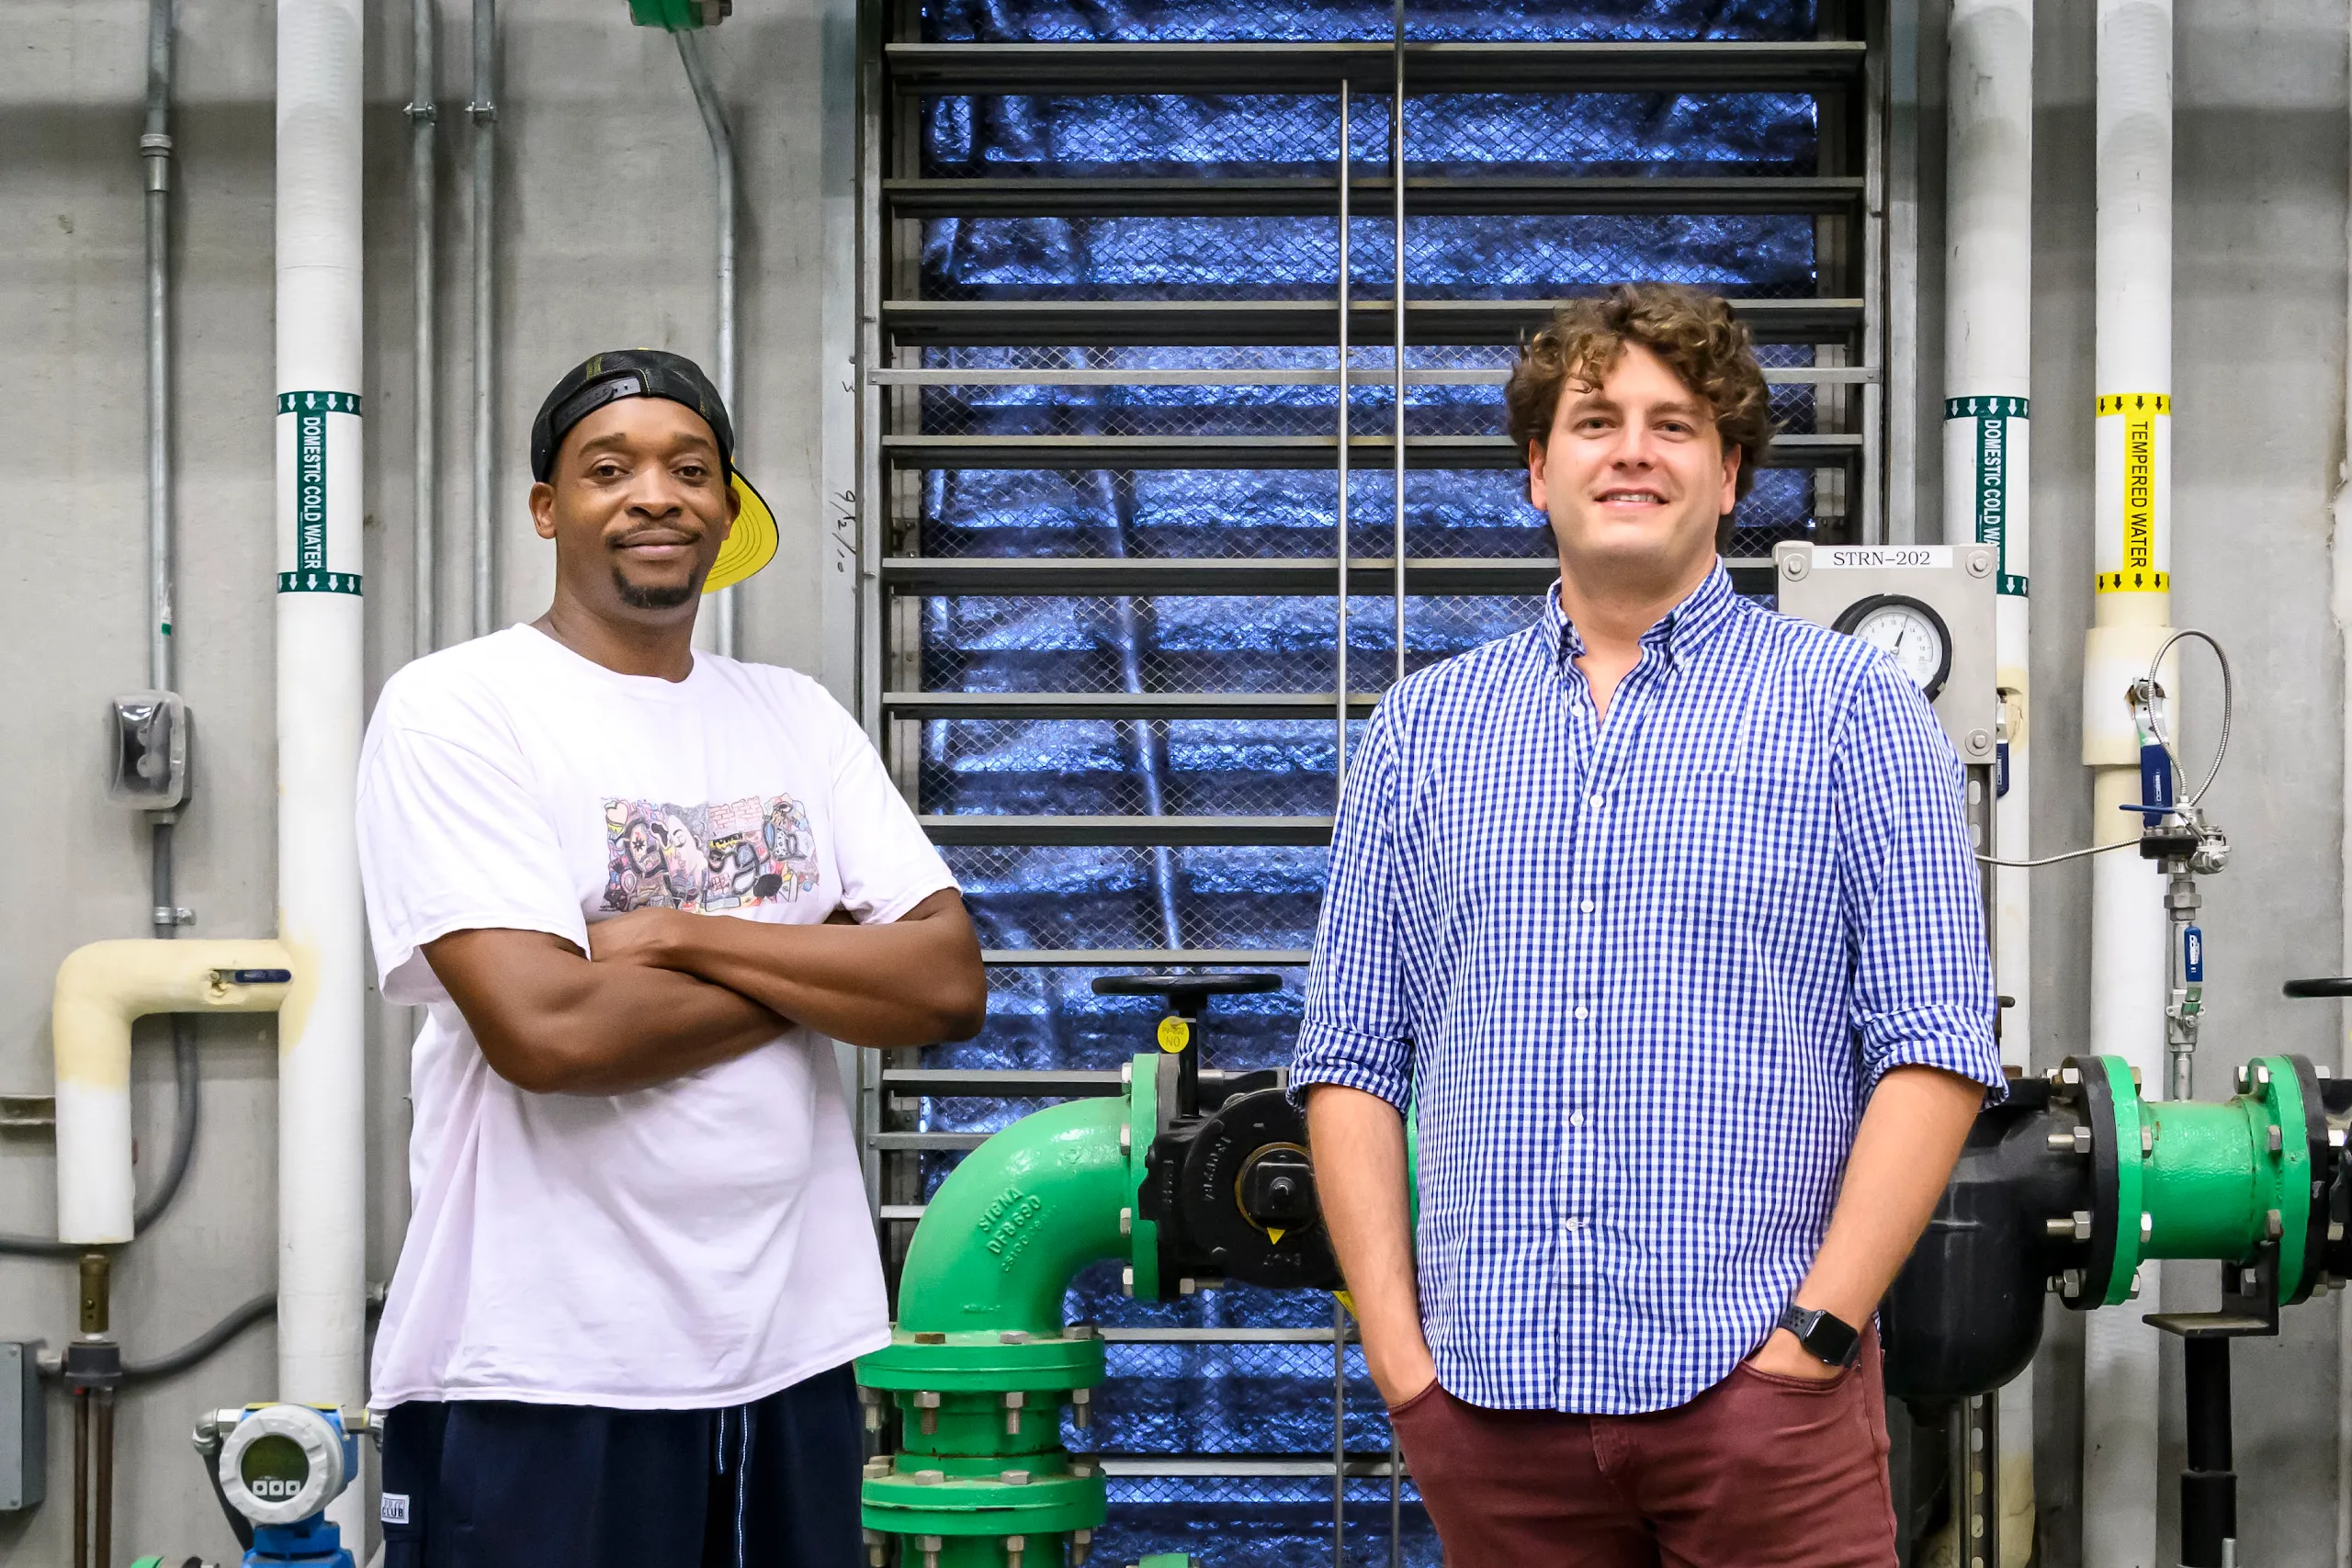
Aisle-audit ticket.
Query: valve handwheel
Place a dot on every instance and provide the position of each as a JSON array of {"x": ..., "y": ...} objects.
[{"x": 1187, "y": 995}]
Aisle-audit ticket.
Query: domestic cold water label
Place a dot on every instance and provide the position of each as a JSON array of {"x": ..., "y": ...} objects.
[
  {"x": 2192, "y": 957},
  {"x": 1864, "y": 557}
]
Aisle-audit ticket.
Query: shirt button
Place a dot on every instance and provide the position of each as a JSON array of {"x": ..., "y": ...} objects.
[
  {"x": 1573, "y": 1225},
  {"x": 1583, "y": 1014},
  {"x": 1586, "y": 907},
  {"x": 1576, "y": 1118},
  {"x": 1594, "y": 801}
]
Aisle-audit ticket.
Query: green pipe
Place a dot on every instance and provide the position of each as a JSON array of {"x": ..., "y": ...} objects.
[
  {"x": 2198, "y": 1179},
  {"x": 1027, "y": 1210}
]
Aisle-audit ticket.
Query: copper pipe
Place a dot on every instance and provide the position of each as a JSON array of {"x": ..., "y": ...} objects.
[
  {"x": 102, "y": 1508},
  {"x": 81, "y": 1478}
]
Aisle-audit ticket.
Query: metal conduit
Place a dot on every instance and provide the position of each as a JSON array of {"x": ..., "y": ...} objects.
[
  {"x": 722, "y": 159},
  {"x": 424, "y": 118},
  {"x": 1347, "y": 392},
  {"x": 155, "y": 153},
  {"x": 483, "y": 111},
  {"x": 1397, "y": 179}
]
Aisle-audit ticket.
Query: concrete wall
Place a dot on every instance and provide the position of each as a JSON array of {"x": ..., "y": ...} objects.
[{"x": 606, "y": 240}]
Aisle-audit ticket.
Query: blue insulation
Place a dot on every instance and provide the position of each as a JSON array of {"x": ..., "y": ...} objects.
[{"x": 1256, "y": 1401}]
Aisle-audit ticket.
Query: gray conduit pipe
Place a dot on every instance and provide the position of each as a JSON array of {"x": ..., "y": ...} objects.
[
  {"x": 155, "y": 153},
  {"x": 483, "y": 110},
  {"x": 424, "y": 116},
  {"x": 722, "y": 160}
]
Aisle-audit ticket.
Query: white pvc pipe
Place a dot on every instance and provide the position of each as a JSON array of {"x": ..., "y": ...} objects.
[
  {"x": 322, "y": 1275},
  {"x": 102, "y": 989},
  {"x": 2131, "y": 505},
  {"x": 1988, "y": 341}
]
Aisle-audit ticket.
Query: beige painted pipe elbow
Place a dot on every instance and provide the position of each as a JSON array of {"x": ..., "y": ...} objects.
[{"x": 101, "y": 990}]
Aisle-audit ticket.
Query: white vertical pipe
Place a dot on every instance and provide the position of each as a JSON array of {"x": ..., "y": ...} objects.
[
  {"x": 1989, "y": 338},
  {"x": 322, "y": 1216},
  {"x": 2131, "y": 507}
]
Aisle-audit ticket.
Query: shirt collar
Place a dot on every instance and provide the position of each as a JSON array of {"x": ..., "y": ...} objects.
[{"x": 1683, "y": 630}]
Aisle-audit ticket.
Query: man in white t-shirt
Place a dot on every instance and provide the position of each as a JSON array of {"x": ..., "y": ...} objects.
[{"x": 638, "y": 890}]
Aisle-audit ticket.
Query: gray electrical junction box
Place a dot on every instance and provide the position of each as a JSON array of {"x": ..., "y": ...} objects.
[{"x": 24, "y": 1427}]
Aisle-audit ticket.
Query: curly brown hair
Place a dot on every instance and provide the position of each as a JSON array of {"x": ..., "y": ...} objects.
[{"x": 1695, "y": 335}]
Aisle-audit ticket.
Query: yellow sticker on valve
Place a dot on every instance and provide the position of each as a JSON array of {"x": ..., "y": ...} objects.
[
  {"x": 2139, "y": 411},
  {"x": 1175, "y": 1033}
]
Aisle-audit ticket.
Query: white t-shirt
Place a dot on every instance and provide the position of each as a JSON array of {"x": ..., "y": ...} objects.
[{"x": 699, "y": 1244}]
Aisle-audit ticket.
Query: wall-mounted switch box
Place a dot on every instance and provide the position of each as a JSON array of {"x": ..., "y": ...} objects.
[{"x": 24, "y": 1427}]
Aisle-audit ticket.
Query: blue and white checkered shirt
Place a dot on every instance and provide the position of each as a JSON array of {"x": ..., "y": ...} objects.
[{"x": 1639, "y": 978}]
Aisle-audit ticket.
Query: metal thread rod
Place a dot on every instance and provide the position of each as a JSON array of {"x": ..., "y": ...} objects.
[
  {"x": 722, "y": 159},
  {"x": 155, "y": 153},
  {"x": 102, "y": 1501},
  {"x": 424, "y": 121},
  {"x": 1339, "y": 1435},
  {"x": 1339, "y": 640},
  {"x": 1397, "y": 179},
  {"x": 483, "y": 110},
  {"x": 2209, "y": 1483}
]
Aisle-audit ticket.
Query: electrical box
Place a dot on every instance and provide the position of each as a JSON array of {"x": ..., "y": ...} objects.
[
  {"x": 24, "y": 1427},
  {"x": 147, "y": 751},
  {"x": 1929, "y": 607}
]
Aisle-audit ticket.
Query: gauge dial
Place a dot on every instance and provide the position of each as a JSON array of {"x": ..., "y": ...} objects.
[{"x": 1913, "y": 635}]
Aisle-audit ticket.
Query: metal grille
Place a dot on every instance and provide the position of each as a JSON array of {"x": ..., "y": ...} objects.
[{"x": 1113, "y": 496}]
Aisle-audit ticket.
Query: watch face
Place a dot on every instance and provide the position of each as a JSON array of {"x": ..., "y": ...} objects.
[{"x": 1911, "y": 633}]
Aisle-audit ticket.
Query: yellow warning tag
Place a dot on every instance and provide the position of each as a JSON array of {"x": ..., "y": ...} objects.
[
  {"x": 1175, "y": 1033},
  {"x": 2139, "y": 411}
]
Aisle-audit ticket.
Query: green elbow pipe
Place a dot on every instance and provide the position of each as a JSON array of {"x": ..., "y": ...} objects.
[
  {"x": 980, "y": 1362},
  {"x": 1027, "y": 1210}
]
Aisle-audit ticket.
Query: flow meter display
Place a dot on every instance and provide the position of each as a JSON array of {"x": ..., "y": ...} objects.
[{"x": 284, "y": 1463}]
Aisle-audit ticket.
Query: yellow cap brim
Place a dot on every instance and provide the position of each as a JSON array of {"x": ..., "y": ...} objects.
[{"x": 749, "y": 547}]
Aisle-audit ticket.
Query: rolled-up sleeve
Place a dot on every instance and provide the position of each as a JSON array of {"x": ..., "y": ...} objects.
[
  {"x": 1911, "y": 894},
  {"x": 1355, "y": 1030}
]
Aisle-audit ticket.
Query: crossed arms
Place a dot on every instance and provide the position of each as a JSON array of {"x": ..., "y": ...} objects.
[{"x": 661, "y": 993}]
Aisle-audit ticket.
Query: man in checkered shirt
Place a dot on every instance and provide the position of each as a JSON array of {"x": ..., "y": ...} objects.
[{"x": 1662, "y": 918}]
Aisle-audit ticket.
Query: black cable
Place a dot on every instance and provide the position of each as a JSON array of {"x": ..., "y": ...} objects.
[{"x": 205, "y": 1344}]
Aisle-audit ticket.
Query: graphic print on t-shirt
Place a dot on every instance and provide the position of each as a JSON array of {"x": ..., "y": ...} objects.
[{"x": 729, "y": 856}]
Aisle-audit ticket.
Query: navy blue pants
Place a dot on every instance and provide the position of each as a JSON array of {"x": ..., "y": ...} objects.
[{"x": 479, "y": 1483}]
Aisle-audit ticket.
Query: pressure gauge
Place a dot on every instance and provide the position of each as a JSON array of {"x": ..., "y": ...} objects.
[{"x": 1911, "y": 633}]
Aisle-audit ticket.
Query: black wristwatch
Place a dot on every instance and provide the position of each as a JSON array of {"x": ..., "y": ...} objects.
[{"x": 1829, "y": 1340}]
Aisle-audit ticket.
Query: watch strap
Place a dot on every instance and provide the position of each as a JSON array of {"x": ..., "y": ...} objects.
[{"x": 1827, "y": 1338}]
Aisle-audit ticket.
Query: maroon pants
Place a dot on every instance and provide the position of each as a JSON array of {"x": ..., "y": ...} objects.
[{"x": 1758, "y": 1470}]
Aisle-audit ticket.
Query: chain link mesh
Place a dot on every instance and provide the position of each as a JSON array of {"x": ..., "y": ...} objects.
[
  {"x": 1447, "y": 257},
  {"x": 1212, "y": 21},
  {"x": 1293, "y": 135},
  {"x": 1150, "y": 897},
  {"x": 1185, "y": 767}
]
